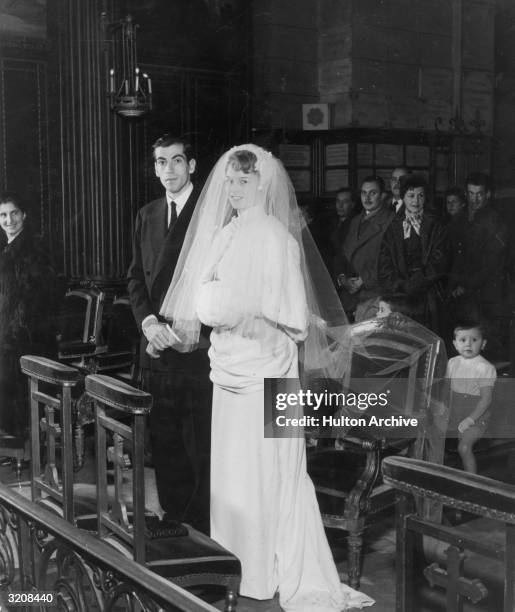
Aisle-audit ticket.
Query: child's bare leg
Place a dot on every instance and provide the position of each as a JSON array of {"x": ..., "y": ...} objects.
[{"x": 466, "y": 447}]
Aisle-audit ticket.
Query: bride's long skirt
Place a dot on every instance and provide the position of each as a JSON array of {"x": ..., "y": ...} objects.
[{"x": 264, "y": 510}]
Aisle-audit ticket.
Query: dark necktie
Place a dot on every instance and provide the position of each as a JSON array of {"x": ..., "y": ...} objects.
[{"x": 173, "y": 216}]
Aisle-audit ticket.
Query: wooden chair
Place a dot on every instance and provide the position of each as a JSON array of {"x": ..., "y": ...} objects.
[
  {"x": 98, "y": 334},
  {"x": 50, "y": 393},
  {"x": 14, "y": 448},
  {"x": 188, "y": 558},
  {"x": 346, "y": 474},
  {"x": 478, "y": 495},
  {"x": 122, "y": 339},
  {"x": 80, "y": 338}
]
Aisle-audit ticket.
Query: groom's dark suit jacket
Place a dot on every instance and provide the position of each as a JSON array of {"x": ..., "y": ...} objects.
[
  {"x": 179, "y": 382},
  {"x": 155, "y": 255}
]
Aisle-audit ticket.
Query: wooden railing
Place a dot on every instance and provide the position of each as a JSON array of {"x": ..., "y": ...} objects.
[
  {"x": 447, "y": 486},
  {"x": 42, "y": 553}
]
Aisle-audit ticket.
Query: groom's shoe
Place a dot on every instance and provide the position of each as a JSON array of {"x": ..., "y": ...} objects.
[{"x": 164, "y": 528}]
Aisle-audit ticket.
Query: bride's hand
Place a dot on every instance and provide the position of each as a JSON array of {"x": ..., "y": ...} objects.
[
  {"x": 318, "y": 321},
  {"x": 214, "y": 308}
]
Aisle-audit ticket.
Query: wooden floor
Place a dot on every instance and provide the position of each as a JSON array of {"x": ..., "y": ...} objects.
[{"x": 379, "y": 571}]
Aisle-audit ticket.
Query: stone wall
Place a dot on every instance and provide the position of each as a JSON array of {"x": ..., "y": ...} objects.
[
  {"x": 407, "y": 64},
  {"x": 285, "y": 52},
  {"x": 503, "y": 154}
]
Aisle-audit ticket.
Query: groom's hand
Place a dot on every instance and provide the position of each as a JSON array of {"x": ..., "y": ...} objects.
[{"x": 157, "y": 334}]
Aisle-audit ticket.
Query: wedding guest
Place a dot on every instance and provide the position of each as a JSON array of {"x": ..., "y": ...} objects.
[
  {"x": 357, "y": 269},
  {"x": 477, "y": 278},
  {"x": 399, "y": 174},
  {"x": 414, "y": 257},
  {"x": 472, "y": 379},
  {"x": 394, "y": 303},
  {"x": 28, "y": 307},
  {"x": 345, "y": 205},
  {"x": 454, "y": 202}
]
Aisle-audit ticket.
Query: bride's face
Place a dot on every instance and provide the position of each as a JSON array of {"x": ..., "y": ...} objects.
[{"x": 242, "y": 188}]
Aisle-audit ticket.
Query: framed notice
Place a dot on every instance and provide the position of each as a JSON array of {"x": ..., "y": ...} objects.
[
  {"x": 301, "y": 180},
  {"x": 365, "y": 154},
  {"x": 337, "y": 154},
  {"x": 389, "y": 155},
  {"x": 295, "y": 155},
  {"x": 385, "y": 174},
  {"x": 321, "y": 163},
  {"x": 336, "y": 179}
]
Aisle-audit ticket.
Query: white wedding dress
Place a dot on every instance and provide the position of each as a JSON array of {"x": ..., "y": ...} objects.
[{"x": 263, "y": 503}]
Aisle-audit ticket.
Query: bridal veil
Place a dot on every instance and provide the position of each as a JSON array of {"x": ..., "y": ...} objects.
[{"x": 325, "y": 351}]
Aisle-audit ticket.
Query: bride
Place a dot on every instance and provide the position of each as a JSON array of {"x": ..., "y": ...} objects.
[{"x": 250, "y": 271}]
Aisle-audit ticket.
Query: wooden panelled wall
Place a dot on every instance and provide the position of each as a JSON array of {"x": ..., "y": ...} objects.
[
  {"x": 86, "y": 170},
  {"x": 90, "y": 208},
  {"x": 23, "y": 132},
  {"x": 106, "y": 169}
]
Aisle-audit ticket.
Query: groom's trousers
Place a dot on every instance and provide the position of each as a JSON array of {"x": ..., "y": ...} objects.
[{"x": 180, "y": 433}]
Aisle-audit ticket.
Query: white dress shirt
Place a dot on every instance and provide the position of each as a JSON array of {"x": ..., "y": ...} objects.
[{"x": 180, "y": 200}]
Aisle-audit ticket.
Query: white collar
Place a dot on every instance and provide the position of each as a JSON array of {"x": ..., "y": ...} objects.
[{"x": 180, "y": 200}]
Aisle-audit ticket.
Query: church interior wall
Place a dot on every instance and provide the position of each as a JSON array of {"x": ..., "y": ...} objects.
[{"x": 402, "y": 65}]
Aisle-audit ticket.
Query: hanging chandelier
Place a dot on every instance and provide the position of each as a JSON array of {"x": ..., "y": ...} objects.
[{"x": 130, "y": 90}]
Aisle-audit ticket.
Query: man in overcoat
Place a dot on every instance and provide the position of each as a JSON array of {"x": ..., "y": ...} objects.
[{"x": 358, "y": 278}]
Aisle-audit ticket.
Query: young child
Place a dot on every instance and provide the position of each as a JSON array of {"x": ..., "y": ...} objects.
[
  {"x": 472, "y": 380},
  {"x": 394, "y": 302}
]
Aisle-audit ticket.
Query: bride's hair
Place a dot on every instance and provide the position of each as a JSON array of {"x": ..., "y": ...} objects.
[{"x": 243, "y": 160}]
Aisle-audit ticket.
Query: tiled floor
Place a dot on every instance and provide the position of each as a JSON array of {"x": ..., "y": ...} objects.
[
  {"x": 379, "y": 569},
  {"x": 379, "y": 573}
]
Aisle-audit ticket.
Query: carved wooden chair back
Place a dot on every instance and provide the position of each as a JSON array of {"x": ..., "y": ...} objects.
[
  {"x": 134, "y": 405},
  {"x": 50, "y": 389},
  {"x": 80, "y": 326},
  {"x": 122, "y": 340},
  {"x": 388, "y": 352}
]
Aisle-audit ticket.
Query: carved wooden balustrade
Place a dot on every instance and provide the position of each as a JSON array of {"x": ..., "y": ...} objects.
[
  {"x": 481, "y": 496},
  {"x": 42, "y": 553}
]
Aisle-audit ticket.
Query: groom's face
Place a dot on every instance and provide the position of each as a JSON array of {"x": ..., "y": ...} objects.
[{"x": 172, "y": 168}]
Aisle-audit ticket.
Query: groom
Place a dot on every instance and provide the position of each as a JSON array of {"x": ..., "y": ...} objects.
[{"x": 179, "y": 382}]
